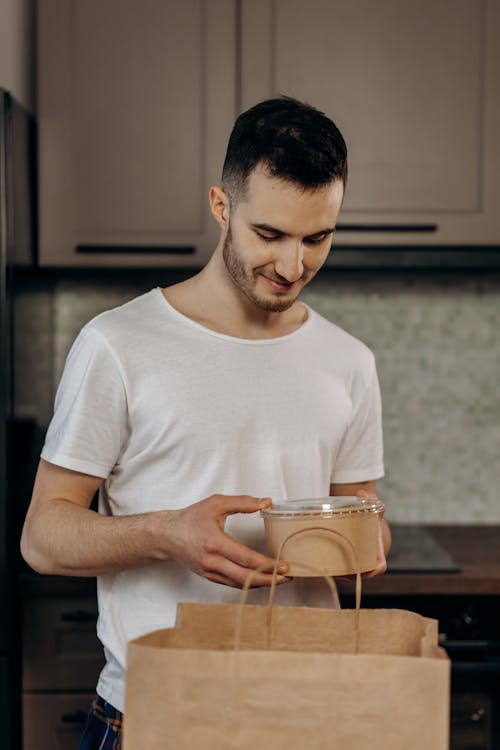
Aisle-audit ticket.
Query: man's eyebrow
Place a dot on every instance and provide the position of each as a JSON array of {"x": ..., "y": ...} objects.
[
  {"x": 267, "y": 228},
  {"x": 328, "y": 230}
]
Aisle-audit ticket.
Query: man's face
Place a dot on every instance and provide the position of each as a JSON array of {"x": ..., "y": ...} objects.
[{"x": 279, "y": 236}]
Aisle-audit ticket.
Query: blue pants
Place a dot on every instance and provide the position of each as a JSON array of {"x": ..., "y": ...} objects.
[{"x": 103, "y": 730}]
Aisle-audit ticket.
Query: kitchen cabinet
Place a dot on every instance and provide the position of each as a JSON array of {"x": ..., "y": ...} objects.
[
  {"x": 136, "y": 101},
  {"x": 62, "y": 658},
  {"x": 54, "y": 721},
  {"x": 414, "y": 89}
]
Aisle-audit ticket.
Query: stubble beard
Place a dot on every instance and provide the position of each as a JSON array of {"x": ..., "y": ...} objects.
[{"x": 245, "y": 280}]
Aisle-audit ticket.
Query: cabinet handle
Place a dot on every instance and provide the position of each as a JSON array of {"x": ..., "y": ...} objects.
[
  {"x": 79, "y": 616},
  {"x": 78, "y": 717},
  {"x": 140, "y": 249},
  {"x": 414, "y": 228}
]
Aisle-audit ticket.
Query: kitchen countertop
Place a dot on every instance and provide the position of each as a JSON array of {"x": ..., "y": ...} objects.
[{"x": 474, "y": 548}]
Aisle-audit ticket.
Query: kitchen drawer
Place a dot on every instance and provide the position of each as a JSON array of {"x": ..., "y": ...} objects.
[
  {"x": 61, "y": 650},
  {"x": 54, "y": 721}
]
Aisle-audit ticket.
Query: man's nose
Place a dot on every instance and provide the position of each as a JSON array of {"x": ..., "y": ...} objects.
[{"x": 290, "y": 262}]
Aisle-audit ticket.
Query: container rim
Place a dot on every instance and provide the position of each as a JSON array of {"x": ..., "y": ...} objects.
[{"x": 324, "y": 507}]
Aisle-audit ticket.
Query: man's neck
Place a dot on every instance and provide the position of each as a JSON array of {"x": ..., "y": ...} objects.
[{"x": 211, "y": 299}]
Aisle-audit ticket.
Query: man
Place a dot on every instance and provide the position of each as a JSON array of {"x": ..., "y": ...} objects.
[{"x": 191, "y": 407}]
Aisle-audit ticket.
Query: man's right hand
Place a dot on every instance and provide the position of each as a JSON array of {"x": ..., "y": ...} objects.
[{"x": 197, "y": 539}]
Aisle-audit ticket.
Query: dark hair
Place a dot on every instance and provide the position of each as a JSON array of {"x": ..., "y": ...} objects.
[{"x": 291, "y": 139}]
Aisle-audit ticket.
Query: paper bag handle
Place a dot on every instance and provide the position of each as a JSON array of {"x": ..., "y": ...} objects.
[
  {"x": 265, "y": 569},
  {"x": 330, "y": 581}
]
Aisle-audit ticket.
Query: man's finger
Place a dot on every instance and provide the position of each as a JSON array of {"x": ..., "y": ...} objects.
[
  {"x": 227, "y": 505},
  {"x": 246, "y": 557},
  {"x": 240, "y": 574}
]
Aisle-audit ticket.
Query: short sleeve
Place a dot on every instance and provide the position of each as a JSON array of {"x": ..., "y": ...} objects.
[
  {"x": 360, "y": 457},
  {"x": 89, "y": 426}
]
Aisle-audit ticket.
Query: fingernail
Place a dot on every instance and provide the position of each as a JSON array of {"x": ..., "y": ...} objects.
[{"x": 282, "y": 568}]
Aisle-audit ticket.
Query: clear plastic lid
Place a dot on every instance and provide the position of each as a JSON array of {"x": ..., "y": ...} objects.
[{"x": 323, "y": 507}]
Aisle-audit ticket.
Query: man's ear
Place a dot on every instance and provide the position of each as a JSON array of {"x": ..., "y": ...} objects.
[{"x": 219, "y": 206}]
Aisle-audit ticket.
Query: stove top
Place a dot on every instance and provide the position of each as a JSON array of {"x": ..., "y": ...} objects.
[{"x": 416, "y": 550}]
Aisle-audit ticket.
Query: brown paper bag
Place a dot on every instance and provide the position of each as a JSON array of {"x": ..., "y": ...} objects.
[{"x": 292, "y": 678}]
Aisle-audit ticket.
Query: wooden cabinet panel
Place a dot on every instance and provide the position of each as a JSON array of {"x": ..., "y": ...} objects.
[
  {"x": 61, "y": 650},
  {"x": 413, "y": 87},
  {"x": 136, "y": 101},
  {"x": 54, "y": 721}
]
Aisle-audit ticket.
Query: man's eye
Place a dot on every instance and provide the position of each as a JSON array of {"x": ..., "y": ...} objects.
[
  {"x": 268, "y": 238},
  {"x": 316, "y": 240}
]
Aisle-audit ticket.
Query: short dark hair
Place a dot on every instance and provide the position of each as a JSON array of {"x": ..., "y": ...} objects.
[{"x": 291, "y": 140}]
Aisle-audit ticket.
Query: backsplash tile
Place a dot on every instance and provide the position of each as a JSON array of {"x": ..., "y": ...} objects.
[
  {"x": 438, "y": 355},
  {"x": 437, "y": 346}
]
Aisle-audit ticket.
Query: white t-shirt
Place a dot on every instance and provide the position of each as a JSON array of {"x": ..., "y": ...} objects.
[{"x": 169, "y": 412}]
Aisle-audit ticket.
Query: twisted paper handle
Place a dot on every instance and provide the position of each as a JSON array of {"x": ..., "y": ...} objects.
[{"x": 329, "y": 580}]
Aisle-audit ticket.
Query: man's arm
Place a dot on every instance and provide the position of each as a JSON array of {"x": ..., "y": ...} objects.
[
  {"x": 367, "y": 489},
  {"x": 63, "y": 536}
]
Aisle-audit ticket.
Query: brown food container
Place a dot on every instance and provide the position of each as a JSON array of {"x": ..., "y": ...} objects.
[{"x": 316, "y": 551}]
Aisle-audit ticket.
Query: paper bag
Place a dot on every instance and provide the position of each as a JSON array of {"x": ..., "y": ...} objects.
[{"x": 293, "y": 679}]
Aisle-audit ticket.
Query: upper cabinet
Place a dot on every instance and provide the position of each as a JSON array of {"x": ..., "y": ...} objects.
[
  {"x": 136, "y": 101},
  {"x": 414, "y": 87}
]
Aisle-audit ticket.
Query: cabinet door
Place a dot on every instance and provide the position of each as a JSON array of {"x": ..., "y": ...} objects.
[
  {"x": 414, "y": 89},
  {"x": 54, "y": 722},
  {"x": 136, "y": 100},
  {"x": 61, "y": 650}
]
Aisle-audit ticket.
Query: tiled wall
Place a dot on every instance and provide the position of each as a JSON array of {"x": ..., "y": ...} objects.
[
  {"x": 437, "y": 343},
  {"x": 436, "y": 339}
]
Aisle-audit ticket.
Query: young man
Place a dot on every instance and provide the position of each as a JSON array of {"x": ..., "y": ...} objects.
[{"x": 191, "y": 407}]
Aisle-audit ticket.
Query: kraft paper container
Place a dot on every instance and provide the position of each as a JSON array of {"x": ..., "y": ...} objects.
[{"x": 338, "y": 535}]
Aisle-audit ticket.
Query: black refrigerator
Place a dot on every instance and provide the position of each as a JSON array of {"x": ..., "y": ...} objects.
[{"x": 17, "y": 252}]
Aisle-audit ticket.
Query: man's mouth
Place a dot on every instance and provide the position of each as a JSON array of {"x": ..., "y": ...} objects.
[{"x": 279, "y": 285}]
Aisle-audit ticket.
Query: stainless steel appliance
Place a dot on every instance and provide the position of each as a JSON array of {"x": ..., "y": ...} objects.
[{"x": 17, "y": 248}]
